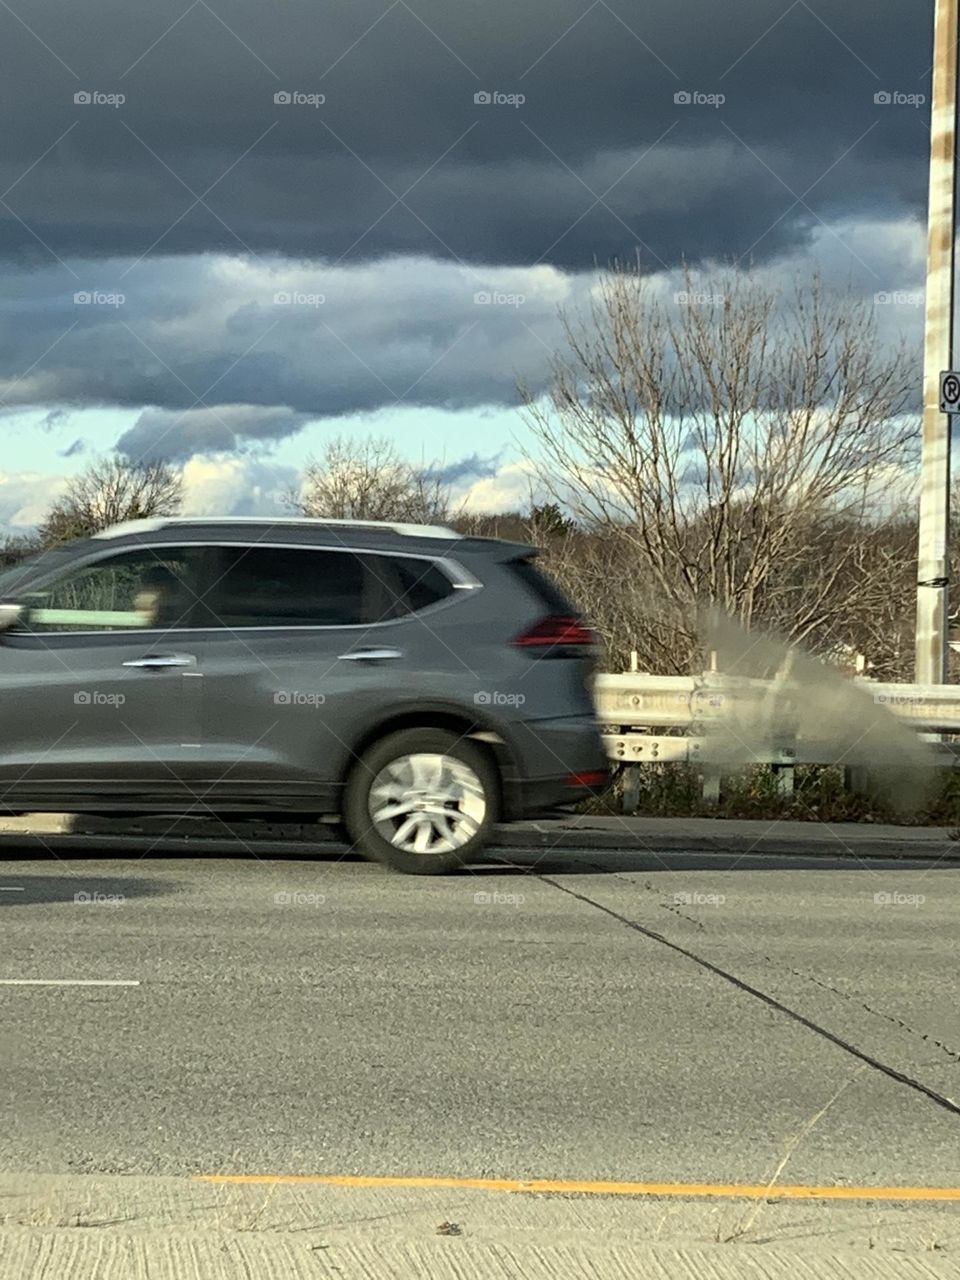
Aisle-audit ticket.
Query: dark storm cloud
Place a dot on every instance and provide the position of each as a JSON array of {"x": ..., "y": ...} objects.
[
  {"x": 161, "y": 433},
  {"x": 199, "y": 157},
  {"x": 471, "y": 468},
  {"x": 234, "y": 355},
  {"x": 53, "y": 420}
]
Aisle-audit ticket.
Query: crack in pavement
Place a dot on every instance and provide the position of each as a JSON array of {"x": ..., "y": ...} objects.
[
  {"x": 941, "y": 1100},
  {"x": 856, "y": 997}
]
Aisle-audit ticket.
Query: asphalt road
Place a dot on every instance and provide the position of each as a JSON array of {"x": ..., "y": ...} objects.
[{"x": 582, "y": 1015}]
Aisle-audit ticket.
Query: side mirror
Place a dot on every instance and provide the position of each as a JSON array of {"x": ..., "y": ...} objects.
[{"x": 13, "y": 613}]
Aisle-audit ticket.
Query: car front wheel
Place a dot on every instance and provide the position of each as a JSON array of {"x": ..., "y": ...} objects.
[{"x": 422, "y": 801}]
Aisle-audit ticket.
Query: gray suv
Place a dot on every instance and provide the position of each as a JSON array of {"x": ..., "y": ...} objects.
[{"x": 417, "y": 684}]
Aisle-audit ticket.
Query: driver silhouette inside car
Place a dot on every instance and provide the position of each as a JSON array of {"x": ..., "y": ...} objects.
[{"x": 157, "y": 599}]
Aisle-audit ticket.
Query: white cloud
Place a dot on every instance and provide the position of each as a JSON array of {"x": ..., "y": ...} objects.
[
  {"x": 228, "y": 485},
  {"x": 25, "y": 498},
  {"x": 509, "y": 490}
]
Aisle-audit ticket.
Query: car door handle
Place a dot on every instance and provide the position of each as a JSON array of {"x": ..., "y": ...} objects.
[
  {"x": 370, "y": 655},
  {"x": 157, "y": 660}
]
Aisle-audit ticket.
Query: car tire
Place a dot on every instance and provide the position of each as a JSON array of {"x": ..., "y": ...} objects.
[{"x": 422, "y": 787}]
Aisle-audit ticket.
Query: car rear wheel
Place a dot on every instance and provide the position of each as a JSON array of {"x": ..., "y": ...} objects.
[{"x": 422, "y": 801}]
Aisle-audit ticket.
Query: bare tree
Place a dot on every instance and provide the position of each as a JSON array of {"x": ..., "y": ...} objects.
[
  {"x": 367, "y": 479},
  {"x": 735, "y": 454},
  {"x": 108, "y": 492},
  {"x": 881, "y": 584}
]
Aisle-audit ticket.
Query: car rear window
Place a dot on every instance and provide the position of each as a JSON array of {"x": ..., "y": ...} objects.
[
  {"x": 420, "y": 584},
  {"x": 544, "y": 588},
  {"x": 412, "y": 584}
]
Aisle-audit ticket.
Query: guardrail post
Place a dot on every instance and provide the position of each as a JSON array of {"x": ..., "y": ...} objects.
[
  {"x": 856, "y": 778},
  {"x": 630, "y": 800},
  {"x": 784, "y": 777},
  {"x": 710, "y": 786},
  {"x": 783, "y": 771}
]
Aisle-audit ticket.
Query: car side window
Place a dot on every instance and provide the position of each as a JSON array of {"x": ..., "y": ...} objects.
[
  {"x": 264, "y": 586},
  {"x": 133, "y": 590},
  {"x": 407, "y": 585}
]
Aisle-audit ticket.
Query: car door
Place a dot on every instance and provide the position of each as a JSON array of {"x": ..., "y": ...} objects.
[
  {"x": 304, "y": 647},
  {"x": 98, "y": 690}
]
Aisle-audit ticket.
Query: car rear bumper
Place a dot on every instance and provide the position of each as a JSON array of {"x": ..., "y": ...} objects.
[
  {"x": 527, "y": 799},
  {"x": 563, "y": 761}
]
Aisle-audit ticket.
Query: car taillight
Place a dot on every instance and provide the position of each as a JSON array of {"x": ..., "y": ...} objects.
[
  {"x": 594, "y": 778},
  {"x": 558, "y": 630}
]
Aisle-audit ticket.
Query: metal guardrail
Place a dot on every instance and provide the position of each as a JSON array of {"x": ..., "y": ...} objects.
[{"x": 633, "y": 706}]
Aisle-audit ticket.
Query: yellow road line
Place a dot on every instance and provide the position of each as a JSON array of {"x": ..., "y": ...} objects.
[{"x": 719, "y": 1189}]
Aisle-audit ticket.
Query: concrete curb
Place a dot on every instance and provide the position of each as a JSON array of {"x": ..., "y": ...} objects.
[
  {"x": 759, "y": 843},
  {"x": 612, "y": 834}
]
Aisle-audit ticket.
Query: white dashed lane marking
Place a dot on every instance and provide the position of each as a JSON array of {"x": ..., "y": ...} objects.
[{"x": 69, "y": 982}]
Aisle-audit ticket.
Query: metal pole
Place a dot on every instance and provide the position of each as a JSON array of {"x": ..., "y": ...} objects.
[{"x": 932, "y": 566}]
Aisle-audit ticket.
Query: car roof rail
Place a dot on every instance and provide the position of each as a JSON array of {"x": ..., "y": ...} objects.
[{"x": 151, "y": 523}]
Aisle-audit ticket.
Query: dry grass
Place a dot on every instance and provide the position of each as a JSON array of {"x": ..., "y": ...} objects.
[{"x": 745, "y": 1223}]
